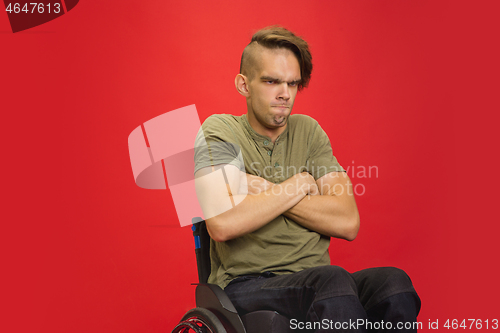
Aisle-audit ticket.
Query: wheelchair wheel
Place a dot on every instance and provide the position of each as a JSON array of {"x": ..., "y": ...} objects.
[{"x": 199, "y": 320}]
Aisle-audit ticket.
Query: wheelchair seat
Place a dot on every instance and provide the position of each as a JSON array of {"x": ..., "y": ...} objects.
[{"x": 214, "y": 311}]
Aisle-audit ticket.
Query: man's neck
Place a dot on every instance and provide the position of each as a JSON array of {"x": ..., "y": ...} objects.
[{"x": 272, "y": 133}]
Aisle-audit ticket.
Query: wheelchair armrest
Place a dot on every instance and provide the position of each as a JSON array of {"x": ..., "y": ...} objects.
[{"x": 212, "y": 297}]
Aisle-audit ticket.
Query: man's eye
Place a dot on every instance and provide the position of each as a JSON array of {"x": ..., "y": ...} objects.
[
  {"x": 270, "y": 82},
  {"x": 293, "y": 84}
]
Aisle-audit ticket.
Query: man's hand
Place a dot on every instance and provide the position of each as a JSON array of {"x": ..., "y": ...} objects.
[
  {"x": 306, "y": 183},
  {"x": 302, "y": 182}
]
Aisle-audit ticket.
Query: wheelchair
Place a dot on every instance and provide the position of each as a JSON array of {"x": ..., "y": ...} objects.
[{"x": 214, "y": 312}]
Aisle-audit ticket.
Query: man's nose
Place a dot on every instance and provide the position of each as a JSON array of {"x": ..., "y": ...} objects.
[{"x": 284, "y": 92}]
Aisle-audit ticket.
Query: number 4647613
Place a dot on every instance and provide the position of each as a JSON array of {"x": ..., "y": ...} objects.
[
  {"x": 471, "y": 324},
  {"x": 33, "y": 8}
]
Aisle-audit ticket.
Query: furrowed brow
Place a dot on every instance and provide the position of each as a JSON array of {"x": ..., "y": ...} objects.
[{"x": 269, "y": 78}]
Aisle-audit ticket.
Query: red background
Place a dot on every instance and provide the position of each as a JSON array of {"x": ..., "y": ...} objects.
[{"x": 408, "y": 86}]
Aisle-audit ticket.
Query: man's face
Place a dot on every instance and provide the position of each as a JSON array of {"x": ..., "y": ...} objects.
[{"x": 272, "y": 89}]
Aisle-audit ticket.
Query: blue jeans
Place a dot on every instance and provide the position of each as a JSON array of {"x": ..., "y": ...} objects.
[{"x": 328, "y": 298}]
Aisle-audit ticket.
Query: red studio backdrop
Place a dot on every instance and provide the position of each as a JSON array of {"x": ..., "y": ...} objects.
[{"x": 405, "y": 89}]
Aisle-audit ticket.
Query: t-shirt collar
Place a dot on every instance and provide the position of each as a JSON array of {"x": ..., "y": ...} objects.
[{"x": 260, "y": 137}]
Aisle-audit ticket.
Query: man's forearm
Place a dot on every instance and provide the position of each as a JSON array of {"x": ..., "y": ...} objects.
[{"x": 328, "y": 215}]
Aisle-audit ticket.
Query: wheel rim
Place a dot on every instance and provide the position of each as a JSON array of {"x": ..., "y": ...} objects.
[
  {"x": 201, "y": 324},
  {"x": 195, "y": 324}
]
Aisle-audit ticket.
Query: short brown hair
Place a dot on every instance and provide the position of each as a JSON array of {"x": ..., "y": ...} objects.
[{"x": 275, "y": 37}]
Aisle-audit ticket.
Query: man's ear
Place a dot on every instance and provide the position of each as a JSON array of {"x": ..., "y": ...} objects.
[{"x": 241, "y": 82}]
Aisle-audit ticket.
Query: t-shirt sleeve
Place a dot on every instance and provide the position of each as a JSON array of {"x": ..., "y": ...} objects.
[
  {"x": 321, "y": 159},
  {"x": 216, "y": 144}
]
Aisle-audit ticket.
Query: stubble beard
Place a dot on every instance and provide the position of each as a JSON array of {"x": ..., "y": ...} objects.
[{"x": 279, "y": 120}]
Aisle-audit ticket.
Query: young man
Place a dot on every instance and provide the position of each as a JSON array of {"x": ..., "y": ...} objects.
[{"x": 273, "y": 194}]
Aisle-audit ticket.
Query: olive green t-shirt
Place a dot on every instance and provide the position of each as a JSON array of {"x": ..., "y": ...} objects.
[{"x": 281, "y": 246}]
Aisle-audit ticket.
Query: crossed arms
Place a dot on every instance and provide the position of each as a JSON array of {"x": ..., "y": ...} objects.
[{"x": 236, "y": 203}]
